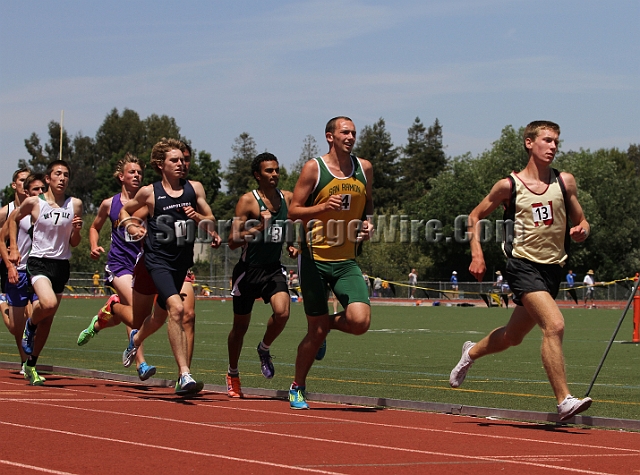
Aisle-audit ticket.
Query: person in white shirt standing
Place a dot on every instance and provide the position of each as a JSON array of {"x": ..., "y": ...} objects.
[{"x": 589, "y": 282}]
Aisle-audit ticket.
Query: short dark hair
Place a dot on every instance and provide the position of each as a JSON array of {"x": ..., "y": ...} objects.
[
  {"x": 185, "y": 146},
  {"x": 331, "y": 125},
  {"x": 55, "y": 163},
  {"x": 263, "y": 157},
  {"x": 34, "y": 177}
]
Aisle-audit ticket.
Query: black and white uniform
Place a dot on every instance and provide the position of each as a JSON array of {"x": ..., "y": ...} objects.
[
  {"x": 168, "y": 247},
  {"x": 50, "y": 248},
  {"x": 537, "y": 247}
]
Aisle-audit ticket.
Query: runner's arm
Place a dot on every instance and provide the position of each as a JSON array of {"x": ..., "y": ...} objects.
[
  {"x": 500, "y": 193},
  {"x": 96, "y": 226},
  {"x": 581, "y": 229},
  {"x": 77, "y": 222}
]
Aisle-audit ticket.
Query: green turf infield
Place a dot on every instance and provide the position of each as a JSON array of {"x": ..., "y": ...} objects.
[{"x": 407, "y": 354}]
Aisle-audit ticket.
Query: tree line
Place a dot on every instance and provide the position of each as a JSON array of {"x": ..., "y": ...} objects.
[{"x": 416, "y": 181}]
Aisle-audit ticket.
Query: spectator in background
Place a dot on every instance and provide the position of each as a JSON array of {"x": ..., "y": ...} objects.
[
  {"x": 454, "y": 284},
  {"x": 96, "y": 283},
  {"x": 377, "y": 287},
  {"x": 365, "y": 276},
  {"x": 570, "y": 282},
  {"x": 590, "y": 290},
  {"x": 413, "y": 280}
]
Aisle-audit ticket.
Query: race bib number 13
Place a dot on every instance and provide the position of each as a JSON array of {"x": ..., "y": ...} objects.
[{"x": 542, "y": 214}]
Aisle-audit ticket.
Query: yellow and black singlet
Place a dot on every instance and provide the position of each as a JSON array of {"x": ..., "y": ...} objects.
[
  {"x": 331, "y": 236},
  {"x": 540, "y": 230}
]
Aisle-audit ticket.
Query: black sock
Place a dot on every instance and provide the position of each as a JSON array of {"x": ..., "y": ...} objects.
[
  {"x": 31, "y": 326},
  {"x": 32, "y": 360}
]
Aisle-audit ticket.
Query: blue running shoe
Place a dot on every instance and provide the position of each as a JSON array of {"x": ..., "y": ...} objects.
[
  {"x": 27, "y": 338},
  {"x": 266, "y": 365},
  {"x": 145, "y": 371},
  {"x": 298, "y": 398},
  {"x": 322, "y": 350},
  {"x": 130, "y": 353}
]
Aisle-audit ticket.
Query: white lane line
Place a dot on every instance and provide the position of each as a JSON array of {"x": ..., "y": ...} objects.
[
  {"x": 299, "y": 437},
  {"x": 37, "y": 469},
  {"x": 296, "y": 414},
  {"x": 296, "y": 468}
]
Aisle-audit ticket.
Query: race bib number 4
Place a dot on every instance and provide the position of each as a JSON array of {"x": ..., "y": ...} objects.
[
  {"x": 346, "y": 202},
  {"x": 542, "y": 214}
]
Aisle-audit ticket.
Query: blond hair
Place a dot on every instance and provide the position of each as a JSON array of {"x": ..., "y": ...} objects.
[
  {"x": 128, "y": 158},
  {"x": 159, "y": 151}
]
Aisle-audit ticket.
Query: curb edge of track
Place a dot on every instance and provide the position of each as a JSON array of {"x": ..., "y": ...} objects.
[{"x": 439, "y": 407}]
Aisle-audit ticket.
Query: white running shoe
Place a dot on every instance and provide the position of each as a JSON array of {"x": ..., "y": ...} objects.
[
  {"x": 460, "y": 371},
  {"x": 572, "y": 406}
]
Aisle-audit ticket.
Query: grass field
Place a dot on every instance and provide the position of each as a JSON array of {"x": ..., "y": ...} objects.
[{"x": 407, "y": 354}]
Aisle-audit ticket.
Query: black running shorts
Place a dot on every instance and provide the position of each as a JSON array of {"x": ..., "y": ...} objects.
[
  {"x": 524, "y": 276},
  {"x": 250, "y": 283}
]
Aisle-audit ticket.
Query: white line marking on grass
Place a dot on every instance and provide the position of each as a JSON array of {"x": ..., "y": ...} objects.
[{"x": 37, "y": 469}]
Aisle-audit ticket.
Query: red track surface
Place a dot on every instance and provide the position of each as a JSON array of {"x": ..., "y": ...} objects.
[{"x": 86, "y": 426}]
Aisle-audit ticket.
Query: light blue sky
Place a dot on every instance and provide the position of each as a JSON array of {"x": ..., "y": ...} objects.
[{"x": 280, "y": 70}]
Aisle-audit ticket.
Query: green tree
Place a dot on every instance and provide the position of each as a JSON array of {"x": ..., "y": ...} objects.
[
  {"x": 374, "y": 144},
  {"x": 309, "y": 150},
  {"x": 634, "y": 155},
  {"x": 455, "y": 192},
  {"x": 423, "y": 158},
  {"x": 126, "y": 132},
  {"x": 608, "y": 192},
  {"x": 238, "y": 175},
  {"x": 209, "y": 175}
]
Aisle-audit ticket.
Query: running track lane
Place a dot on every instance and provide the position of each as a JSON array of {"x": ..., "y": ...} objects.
[{"x": 85, "y": 426}]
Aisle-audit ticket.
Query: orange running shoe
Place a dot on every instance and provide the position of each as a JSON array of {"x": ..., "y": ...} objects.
[
  {"x": 104, "y": 313},
  {"x": 233, "y": 386}
]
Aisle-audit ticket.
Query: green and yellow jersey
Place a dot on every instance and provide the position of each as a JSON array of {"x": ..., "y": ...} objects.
[{"x": 332, "y": 234}]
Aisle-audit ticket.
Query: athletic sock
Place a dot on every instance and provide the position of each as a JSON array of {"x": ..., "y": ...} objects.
[
  {"x": 32, "y": 360},
  {"x": 233, "y": 371},
  {"x": 31, "y": 326},
  {"x": 263, "y": 347},
  {"x": 99, "y": 325}
]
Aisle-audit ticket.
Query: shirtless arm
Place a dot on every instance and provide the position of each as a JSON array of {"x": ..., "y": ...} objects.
[
  {"x": 96, "y": 226},
  {"x": 246, "y": 209},
  {"x": 203, "y": 213},
  {"x": 304, "y": 187},
  {"x": 581, "y": 229},
  {"x": 367, "y": 226},
  {"x": 75, "y": 237},
  {"x": 292, "y": 250},
  {"x": 30, "y": 206},
  {"x": 12, "y": 272},
  {"x": 3, "y": 214},
  {"x": 143, "y": 199},
  {"x": 500, "y": 193}
]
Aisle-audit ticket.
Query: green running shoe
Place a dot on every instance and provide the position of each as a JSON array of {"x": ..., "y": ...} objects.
[
  {"x": 88, "y": 333},
  {"x": 32, "y": 375}
]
